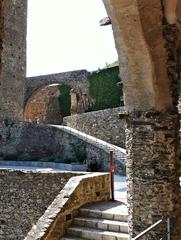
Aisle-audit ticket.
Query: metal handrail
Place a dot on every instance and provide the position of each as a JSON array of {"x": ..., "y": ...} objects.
[{"x": 167, "y": 220}]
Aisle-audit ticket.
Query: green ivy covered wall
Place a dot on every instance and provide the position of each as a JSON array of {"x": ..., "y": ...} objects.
[{"x": 104, "y": 89}]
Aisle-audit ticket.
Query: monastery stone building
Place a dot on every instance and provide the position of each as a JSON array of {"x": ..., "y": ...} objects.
[{"x": 148, "y": 41}]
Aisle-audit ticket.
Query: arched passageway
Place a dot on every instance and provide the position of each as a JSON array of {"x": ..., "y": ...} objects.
[
  {"x": 77, "y": 80},
  {"x": 49, "y": 104}
]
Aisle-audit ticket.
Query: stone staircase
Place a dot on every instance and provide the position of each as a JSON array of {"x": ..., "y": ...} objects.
[{"x": 102, "y": 221}]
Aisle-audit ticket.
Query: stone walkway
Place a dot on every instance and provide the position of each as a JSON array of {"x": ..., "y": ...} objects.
[
  {"x": 109, "y": 207},
  {"x": 120, "y": 188}
]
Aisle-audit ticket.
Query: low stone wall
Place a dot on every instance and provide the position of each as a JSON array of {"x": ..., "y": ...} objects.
[
  {"x": 78, "y": 191},
  {"x": 25, "y": 195},
  {"x": 96, "y": 149},
  {"x": 104, "y": 124},
  {"x": 41, "y": 142}
]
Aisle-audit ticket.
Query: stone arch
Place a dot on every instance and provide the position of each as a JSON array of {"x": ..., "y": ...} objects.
[
  {"x": 77, "y": 80},
  {"x": 40, "y": 97},
  {"x": 142, "y": 56},
  {"x": 145, "y": 38}
]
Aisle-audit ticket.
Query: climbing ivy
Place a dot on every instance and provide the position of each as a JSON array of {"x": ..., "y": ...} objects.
[
  {"x": 104, "y": 89},
  {"x": 64, "y": 100}
]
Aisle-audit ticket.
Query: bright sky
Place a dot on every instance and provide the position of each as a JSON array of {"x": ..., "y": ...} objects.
[{"x": 64, "y": 35}]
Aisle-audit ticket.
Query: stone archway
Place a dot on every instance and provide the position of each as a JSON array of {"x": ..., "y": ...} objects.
[
  {"x": 77, "y": 80},
  {"x": 50, "y": 103},
  {"x": 146, "y": 45}
]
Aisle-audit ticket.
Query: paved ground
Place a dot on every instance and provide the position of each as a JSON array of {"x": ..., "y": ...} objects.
[
  {"x": 31, "y": 168},
  {"x": 120, "y": 188}
]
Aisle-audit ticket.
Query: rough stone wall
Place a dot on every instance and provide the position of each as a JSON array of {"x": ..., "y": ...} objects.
[
  {"x": 77, "y": 192},
  {"x": 25, "y": 196},
  {"x": 13, "y": 17},
  {"x": 53, "y": 112},
  {"x": 77, "y": 80},
  {"x": 44, "y": 105},
  {"x": 152, "y": 168},
  {"x": 105, "y": 125}
]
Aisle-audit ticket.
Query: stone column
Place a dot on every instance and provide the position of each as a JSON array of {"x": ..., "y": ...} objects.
[
  {"x": 13, "y": 18},
  {"x": 153, "y": 172},
  {"x": 74, "y": 103}
]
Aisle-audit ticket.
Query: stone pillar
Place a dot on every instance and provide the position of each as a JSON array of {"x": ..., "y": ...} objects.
[
  {"x": 153, "y": 172},
  {"x": 74, "y": 103},
  {"x": 53, "y": 111},
  {"x": 13, "y": 18}
]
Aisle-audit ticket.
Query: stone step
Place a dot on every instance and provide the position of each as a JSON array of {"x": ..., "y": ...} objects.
[
  {"x": 96, "y": 234},
  {"x": 103, "y": 214},
  {"x": 99, "y": 223}
]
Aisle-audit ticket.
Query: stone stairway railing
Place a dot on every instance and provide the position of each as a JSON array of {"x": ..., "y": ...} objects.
[{"x": 80, "y": 190}]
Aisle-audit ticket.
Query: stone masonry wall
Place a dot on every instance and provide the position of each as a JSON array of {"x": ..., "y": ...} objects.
[
  {"x": 152, "y": 168},
  {"x": 78, "y": 191},
  {"x": 104, "y": 124},
  {"x": 44, "y": 105},
  {"x": 13, "y": 17},
  {"x": 25, "y": 195}
]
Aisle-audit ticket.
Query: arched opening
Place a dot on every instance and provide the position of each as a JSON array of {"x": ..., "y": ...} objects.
[{"x": 146, "y": 42}]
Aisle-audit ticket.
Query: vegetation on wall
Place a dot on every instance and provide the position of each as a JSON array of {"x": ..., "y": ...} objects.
[
  {"x": 79, "y": 152},
  {"x": 104, "y": 89},
  {"x": 64, "y": 99},
  {"x": 113, "y": 64}
]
